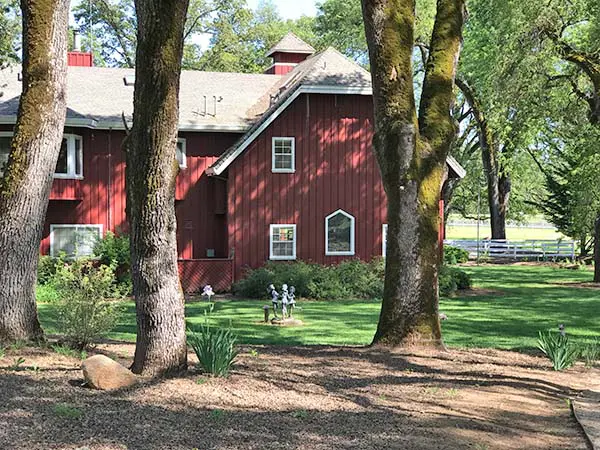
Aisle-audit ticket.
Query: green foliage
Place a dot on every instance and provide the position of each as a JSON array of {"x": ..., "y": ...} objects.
[
  {"x": 84, "y": 311},
  {"x": 113, "y": 250},
  {"x": 455, "y": 255},
  {"x": 16, "y": 365},
  {"x": 46, "y": 293},
  {"x": 69, "y": 352},
  {"x": 2, "y": 352},
  {"x": 452, "y": 279},
  {"x": 214, "y": 347},
  {"x": 67, "y": 411},
  {"x": 47, "y": 266},
  {"x": 590, "y": 352},
  {"x": 349, "y": 279},
  {"x": 10, "y": 30},
  {"x": 559, "y": 350}
]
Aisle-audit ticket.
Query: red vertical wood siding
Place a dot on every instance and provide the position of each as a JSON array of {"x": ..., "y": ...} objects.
[
  {"x": 99, "y": 198},
  {"x": 335, "y": 169}
]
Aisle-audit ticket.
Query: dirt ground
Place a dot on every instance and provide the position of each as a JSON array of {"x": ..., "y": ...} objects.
[{"x": 300, "y": 398}]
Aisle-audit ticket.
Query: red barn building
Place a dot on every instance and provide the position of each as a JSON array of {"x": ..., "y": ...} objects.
[{"x": 274, "y": 166}]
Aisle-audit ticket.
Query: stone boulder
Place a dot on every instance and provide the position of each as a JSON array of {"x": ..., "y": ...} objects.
[{"x": 101, "y": 372}]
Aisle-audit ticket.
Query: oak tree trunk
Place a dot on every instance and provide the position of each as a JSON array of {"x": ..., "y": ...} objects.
[
  {"x": 411, "y": 153},
  {"x": 27, "y": 181},
  {"x": 151, "y": 174},
  {"x": 497, "y": 178},
  {"x": 597, "y": 250}
]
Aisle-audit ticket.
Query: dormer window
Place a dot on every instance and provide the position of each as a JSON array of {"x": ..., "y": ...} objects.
[
  {"x": 284, "y": 149},
  {"x": 70, "y": 158}
]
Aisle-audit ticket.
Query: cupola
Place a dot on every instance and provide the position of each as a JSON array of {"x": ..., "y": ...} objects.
[{"x": 288, "y": 53}]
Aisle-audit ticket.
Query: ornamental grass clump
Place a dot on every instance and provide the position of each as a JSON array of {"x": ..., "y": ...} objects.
[
  {"x": 214, "y": 347},
  {"x": 557, "y": 347}
]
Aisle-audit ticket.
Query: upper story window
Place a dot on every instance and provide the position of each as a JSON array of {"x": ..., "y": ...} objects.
[
  {"x": 284, "y": 149},
  {"x": 70, "y": 158},
  {"x": 339, "y": 233},
  {"x": 5, "y": 139},
  {"x": 282, "y": 242},
  {"x": 74, "y": 240},
  {"x": 181, "y": 153}
]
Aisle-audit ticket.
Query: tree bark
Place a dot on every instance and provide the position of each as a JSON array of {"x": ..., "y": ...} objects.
[
  {"x": 597, "y": 249},
  {"x": 411, "y": 153},
  {"x": 27, "y": 181},
  {"x": 497, "y": 178},
  {"x": 151, "y": 175}
]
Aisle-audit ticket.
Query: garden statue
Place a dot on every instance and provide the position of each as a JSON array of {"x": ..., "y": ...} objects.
[
  {"x": 274, "y": 298},
  {"x": 291, "y": 300},
  {"x": 208, "y": 291},
  {"x": 284, "y": 300}
]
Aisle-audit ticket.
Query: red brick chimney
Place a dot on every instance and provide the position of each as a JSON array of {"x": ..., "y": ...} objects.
[
  {"x": 77, "y": 58},
  {"x": 288, "y": 53}
]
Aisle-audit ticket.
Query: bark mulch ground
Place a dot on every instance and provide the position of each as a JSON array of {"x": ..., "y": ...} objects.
[{"x": 300, "y": 398}]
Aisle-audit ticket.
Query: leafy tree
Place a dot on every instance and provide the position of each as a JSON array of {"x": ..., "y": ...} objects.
[
  {"x": 10, "y": 31},
  {"x": 411, "y": 148},
  {"x": 27, "y": 179},
  {"x": 150, "y": 174},
  {"x": 241, "y": 38},
  {"x": 109, "y": 27}
]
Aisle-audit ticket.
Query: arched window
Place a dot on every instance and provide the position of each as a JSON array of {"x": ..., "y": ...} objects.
[{"x": 339, "y": 233}]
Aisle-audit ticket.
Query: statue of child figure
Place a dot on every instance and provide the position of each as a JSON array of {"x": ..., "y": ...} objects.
[
  {"x": 284, "y": 300},
  {"x": 292, "y": 300},
  {"x": 274, "y": 298}
]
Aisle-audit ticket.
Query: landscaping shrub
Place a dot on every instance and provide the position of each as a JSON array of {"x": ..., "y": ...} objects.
[
  {"x": 113, "y": 250},
  {"x": 46, "y": 293},
  {"x": 214, "y": 347},
  {"x": 557, "y": 347},
  {"x": 452, "y": 279},
  {"x": 350, "y": 279},
  {"x": 590, "y": 353},
  {"x": 47, "y": 268},
  {"x": 87, "y": 309},
  {"x": 455, "y": 255}
]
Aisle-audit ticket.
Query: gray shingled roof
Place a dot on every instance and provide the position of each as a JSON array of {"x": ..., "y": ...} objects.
[
  {"x": 328, "y": 68},
  {"x": 291, "y": 43},
  {"x": 100, "y": 94}
]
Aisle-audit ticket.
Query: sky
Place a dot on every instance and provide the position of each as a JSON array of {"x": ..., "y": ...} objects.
[{"x": 291, "y": 9}]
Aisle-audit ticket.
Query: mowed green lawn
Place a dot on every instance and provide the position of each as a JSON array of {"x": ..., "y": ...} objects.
[{"x": 525, "y": 299}]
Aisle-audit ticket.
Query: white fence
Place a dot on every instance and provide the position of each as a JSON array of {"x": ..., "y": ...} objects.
[{"x": 507, "y": 249}]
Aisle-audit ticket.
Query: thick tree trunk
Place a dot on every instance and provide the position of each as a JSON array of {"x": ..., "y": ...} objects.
[
  {"x": 498, "y": 180},
  {"x": 27, "y": 181},
  {"x": 411, "y": 154},
  {"x": 151, "y": 174},
  {"x": 597, "y": 250},
  {"x": 497, "y": 199}
]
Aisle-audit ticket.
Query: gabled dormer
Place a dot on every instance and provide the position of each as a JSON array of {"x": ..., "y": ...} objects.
[{"x": 288, "y": 53}]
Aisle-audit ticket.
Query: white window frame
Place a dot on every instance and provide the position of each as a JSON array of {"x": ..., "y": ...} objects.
[
  {"x": 71, "y": 158},
  {"x": 183, "y": 164},
  {"x": 292, "y": 140},
  {"x": 76, "y": 226},
  {"x": 5, "y": 134},
  {"x": 384, "y": 233},
  {"x": 352, "y": 234},
  {"x": 282, "y": 225}
]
